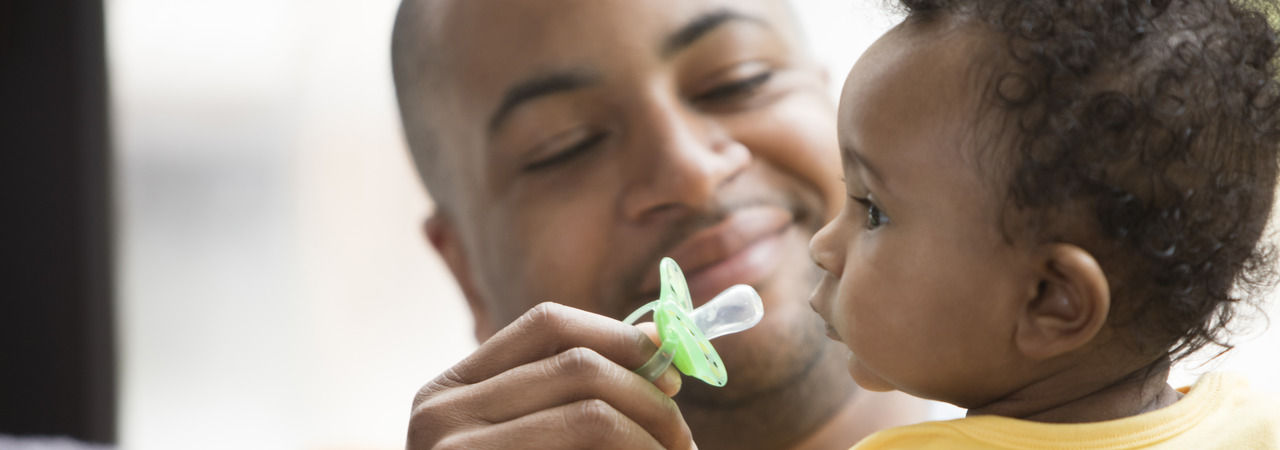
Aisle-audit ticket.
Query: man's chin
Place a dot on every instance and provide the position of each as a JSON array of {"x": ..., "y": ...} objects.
[{"x": 787, "y": 347}]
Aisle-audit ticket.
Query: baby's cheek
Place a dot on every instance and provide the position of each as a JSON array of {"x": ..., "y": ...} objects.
[
  {"x": 843, "y": 316},
  {"x": 876, "y": 347}
]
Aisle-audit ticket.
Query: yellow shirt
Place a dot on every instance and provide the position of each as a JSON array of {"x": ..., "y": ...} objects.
[{"x": 1219, "y": 412}]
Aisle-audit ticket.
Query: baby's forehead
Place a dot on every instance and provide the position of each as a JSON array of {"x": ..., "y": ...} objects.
[{"x": 915, "y": 99}]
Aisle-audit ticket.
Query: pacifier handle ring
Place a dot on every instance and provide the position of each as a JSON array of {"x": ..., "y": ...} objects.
[
  {"x": 631, "y": 319},
  {"x": 659, "y": 362},
  {"x": 684, "y": 343},
  {"x": 661, "y": 359}
]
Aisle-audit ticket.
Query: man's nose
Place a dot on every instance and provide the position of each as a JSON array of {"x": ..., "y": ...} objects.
[{"x": 679, "y": 159}]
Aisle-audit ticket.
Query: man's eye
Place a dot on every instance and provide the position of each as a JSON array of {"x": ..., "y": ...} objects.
[
  {"x": 875, "y": 217},
  {"x": 734, "y": 89},
  {"x": 568, "y": 154}
]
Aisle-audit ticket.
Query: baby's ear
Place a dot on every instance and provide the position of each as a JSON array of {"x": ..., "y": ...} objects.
[{"x": 1068, "y": 306}]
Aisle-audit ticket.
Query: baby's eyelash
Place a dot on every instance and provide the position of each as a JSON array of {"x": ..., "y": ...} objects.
[{"x": 875, "y": 216}]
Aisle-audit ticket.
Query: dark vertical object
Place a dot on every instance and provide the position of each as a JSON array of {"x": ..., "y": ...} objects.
[{"x": 57, "y": 358}]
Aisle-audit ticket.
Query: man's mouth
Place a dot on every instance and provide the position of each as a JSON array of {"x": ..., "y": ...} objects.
[{"x": 744, "y": 248}]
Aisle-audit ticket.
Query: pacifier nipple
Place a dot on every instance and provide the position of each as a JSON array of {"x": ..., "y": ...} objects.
[{"x": 736, "y": 309}]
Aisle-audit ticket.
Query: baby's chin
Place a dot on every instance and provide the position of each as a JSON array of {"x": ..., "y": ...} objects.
[{"x": 867, "y": 379}]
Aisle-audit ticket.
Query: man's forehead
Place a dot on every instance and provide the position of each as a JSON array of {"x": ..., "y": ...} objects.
[
  {"x": 479, "y": 55},
  {"x": 489, "y": 16},
  {"x": 499, "y": 38}
]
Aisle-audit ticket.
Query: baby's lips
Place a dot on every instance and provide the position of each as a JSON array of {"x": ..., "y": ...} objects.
[{"x": 816, "y": 301}]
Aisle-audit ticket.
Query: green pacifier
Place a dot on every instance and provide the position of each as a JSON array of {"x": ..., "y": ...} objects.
[{"x": 686, "y": 333}]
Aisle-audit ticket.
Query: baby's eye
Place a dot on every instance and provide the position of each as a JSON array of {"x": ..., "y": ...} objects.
[{"x": 875, "y": 217}]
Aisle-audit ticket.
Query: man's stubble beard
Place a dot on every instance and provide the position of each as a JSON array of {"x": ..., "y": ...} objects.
[
  {"x": 771, "y": 358},
  {"x": 776, "y": 396}
]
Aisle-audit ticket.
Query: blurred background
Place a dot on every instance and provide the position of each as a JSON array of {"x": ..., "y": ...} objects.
[{"x": 272, "y": 288}]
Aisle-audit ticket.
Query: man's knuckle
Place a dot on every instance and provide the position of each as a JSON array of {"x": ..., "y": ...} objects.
[
  {"x": 595, "y": 420},
  {"x": 429, "y": 415},
  {"x": 544, "y": 312},
  {"x": 581, "y": 363},
  {"x": 452, "y": 442},
  {"x": 426, "y": 427},
  {"x": 451, "y": 378},
  {"x": 423, "y": 395},
  {"x": 448, "y": 380},
  {"x": 545, "y": 316}
]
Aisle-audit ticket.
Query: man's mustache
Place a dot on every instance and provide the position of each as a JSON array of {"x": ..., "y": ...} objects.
[{"x": 680, "y": 229}]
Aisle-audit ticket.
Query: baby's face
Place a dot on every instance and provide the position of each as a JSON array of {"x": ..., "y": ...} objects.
[{"x": 920, "y": 284}]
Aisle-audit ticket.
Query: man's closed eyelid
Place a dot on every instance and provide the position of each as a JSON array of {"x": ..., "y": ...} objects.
[
  {"x": 738, "y": 88},
  {"x": 567, "y": 154}
]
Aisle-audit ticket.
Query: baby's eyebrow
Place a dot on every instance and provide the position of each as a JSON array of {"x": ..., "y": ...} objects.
[{"x": 851, "y": 154}]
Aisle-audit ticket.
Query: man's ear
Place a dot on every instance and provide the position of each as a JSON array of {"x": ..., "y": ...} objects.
[
  {"x": 443, "y": 235},
  {"x": 1069, "y": 305},
  {"x": 823, "y": 73}
]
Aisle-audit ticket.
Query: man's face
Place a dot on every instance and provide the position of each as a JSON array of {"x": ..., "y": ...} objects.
[{"x": 589, "y": 138}]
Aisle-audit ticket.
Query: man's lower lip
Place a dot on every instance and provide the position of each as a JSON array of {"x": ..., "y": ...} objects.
[{"x": 749, "y": 266}]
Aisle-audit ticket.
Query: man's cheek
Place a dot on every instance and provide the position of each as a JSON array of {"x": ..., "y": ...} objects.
[{"x": 567, "y": 242}]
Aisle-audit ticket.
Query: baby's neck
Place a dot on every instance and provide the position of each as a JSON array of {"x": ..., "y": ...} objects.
[{"x": 1069, "y": 397}]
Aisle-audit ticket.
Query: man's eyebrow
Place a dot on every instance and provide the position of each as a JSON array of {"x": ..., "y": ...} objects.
[
  {"x": 700, "y": 26},
  {"x": 539, "y": 86},
  {"x": 852, "y": 154}
]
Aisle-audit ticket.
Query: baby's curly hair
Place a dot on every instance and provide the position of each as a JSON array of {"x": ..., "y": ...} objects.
[{"x": 1155, "y": 124}]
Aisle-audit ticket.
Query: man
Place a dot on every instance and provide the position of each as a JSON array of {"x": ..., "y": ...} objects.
[{"x": 569, "y": 145}]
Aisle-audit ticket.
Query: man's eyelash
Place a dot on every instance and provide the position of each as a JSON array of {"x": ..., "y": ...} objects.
[
  {"x": 567, "y": 154},
  {"x": 732, "y": 88}
]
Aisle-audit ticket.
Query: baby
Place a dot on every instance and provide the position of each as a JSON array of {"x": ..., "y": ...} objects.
[{"x": 1050, "y": 203}]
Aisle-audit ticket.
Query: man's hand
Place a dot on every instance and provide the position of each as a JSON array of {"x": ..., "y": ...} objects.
[{"x": 557, "y": 377}]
